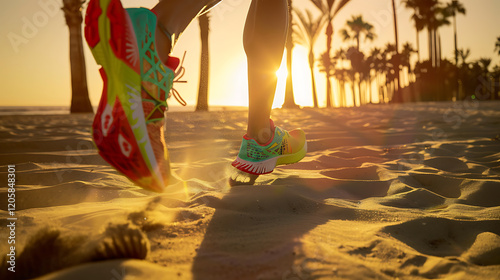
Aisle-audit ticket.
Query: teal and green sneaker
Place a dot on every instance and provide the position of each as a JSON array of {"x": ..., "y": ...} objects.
[
  {"x": 128, "y": 125},
  {"x": 285, "y": 147}
]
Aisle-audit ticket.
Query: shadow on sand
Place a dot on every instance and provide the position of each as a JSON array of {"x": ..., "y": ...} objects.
[{"x": 235, "y": 246}]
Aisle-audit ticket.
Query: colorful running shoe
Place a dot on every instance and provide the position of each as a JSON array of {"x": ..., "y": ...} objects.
[
  {"x": 283, "y": 148},
  {"x": 128, "y": 125}
]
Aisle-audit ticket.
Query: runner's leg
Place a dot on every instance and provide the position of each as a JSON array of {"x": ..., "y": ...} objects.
[{"x": 264, "y": 41}]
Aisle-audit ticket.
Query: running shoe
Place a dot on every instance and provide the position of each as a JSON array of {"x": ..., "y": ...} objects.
[
  {"x": 285, "y": 147},
  {"x": 128, "y": 125}
]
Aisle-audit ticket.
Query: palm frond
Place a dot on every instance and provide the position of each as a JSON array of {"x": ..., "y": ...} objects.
[
  {"x": 345, "y": 34},
  {"x": 322, "y": 6},
  {"x": 340, "y": 6},
  {"x": 308, "y": 27}
]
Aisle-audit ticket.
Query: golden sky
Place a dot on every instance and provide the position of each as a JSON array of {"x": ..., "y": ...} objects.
[{"x": 35, "y": 49}]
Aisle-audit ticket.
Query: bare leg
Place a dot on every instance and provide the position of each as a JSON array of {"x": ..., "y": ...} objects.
[
  {"x": 264, "y": 41},
  {"x": 174, "y": 17}
]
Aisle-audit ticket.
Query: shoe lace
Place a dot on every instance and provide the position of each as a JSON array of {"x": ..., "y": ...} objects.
[
  {"x": 162, "y": 104},
  {"x": 178, "y": 74}
]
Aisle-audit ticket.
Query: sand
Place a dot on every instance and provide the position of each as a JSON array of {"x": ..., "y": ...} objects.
[{"x": 406, "y": 191}]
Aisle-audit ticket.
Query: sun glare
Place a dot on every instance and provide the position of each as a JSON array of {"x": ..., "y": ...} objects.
[
  {"x": 282, "y": 72},
  {"x": 301, "y": 79}
]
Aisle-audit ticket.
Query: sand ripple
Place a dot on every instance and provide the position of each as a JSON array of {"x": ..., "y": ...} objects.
[{"x": 385, "y": 192}]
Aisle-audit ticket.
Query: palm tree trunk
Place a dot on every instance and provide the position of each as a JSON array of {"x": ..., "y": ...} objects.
[
  {"x": 360, "y": 95},
  {"x": 435, "y": 46},
  {"x": 311, "y": 67},
  {"x": 353, "y": 86},
  {"x": 289, "y": 101},
  {"x": 396, "y": 65},
  {"x": 329, "y": 33},
  {"x": 369, "y": 89},
  {"x": 387, "y": 89},
  {"x": 455, "y": 37},
  {"x": 438, "y": 48},
  {"x": 344, "y": 94},
  {"x": 341, "y": 94},
  {"x": 431, "y": 52},
  {"x": 202, "y": 104},
  {"x": 379, "y": 86},
  {"x": 418, "y": 46},
  {"x": 457, "y": 83},
  {"x": 80, "y": 102}
]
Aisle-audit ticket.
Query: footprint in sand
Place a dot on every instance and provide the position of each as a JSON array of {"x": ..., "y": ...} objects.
[{"x": 50, "y": 250}]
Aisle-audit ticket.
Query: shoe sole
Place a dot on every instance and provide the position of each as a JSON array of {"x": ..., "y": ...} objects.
[
  {"x": 267, "y": 166},
  {"x": 292, "y": 158},
  {"x": 110, "y": 36}
]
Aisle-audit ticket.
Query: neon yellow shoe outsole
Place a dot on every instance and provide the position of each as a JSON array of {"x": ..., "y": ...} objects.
[
  {"x": 127, "y": 128},
  {"x": 285, "y": 147}
]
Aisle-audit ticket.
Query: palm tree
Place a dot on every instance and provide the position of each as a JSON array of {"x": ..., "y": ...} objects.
[
  {"x": 357, "y": 59},
  {"x": 340, "y": 56},
  {"x": 340, "y": 74},
  {"x": 438, "y": 18},
  {"x": 289, "y": 99},
  {"x": 497, "y": 45},
  {"x": 464, "y": 55},
  {"x": 350, "y": 74},
  {"x": 329, "y": 10},
  {"x": 306, "y": 32},
  {"x": 355, "y": 28},
  {"x": 454, "y": 8},
  {"x": 202, "y": 104},
  {"x": 405, "y": 61},
  {"x": 398, "y": 98},
  {"x": 427, "y": 11},
  {"x": 370, "y": 63},
  {"x": 419, "y": 24},
  {"x": 442, "y": 20},
  {"x": 432, "y": 16},
  {"x": 365, "y": 76},
  {"x": 375, "y": 63},
  {"x": 406, "y": 54},
  {"x": 496, "y": 71},
  {"x": 462, "y": 72},
  {"x": 326, "y": 64},
  {"x": 80, "y": 102},
  {"x": 495, "y": 74},
  {"x": 384, "y": 68},
  {"x": 485, "y": 63},
  {"x": 388, "y": 62}
]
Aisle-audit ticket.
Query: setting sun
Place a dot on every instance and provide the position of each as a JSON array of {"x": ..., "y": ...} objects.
[
  {"x": 301, "y": 77},
  {"x": 282, "y": 72}
]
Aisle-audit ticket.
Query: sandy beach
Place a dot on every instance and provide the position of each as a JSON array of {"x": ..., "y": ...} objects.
[{"x": 407, "y": 191}]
